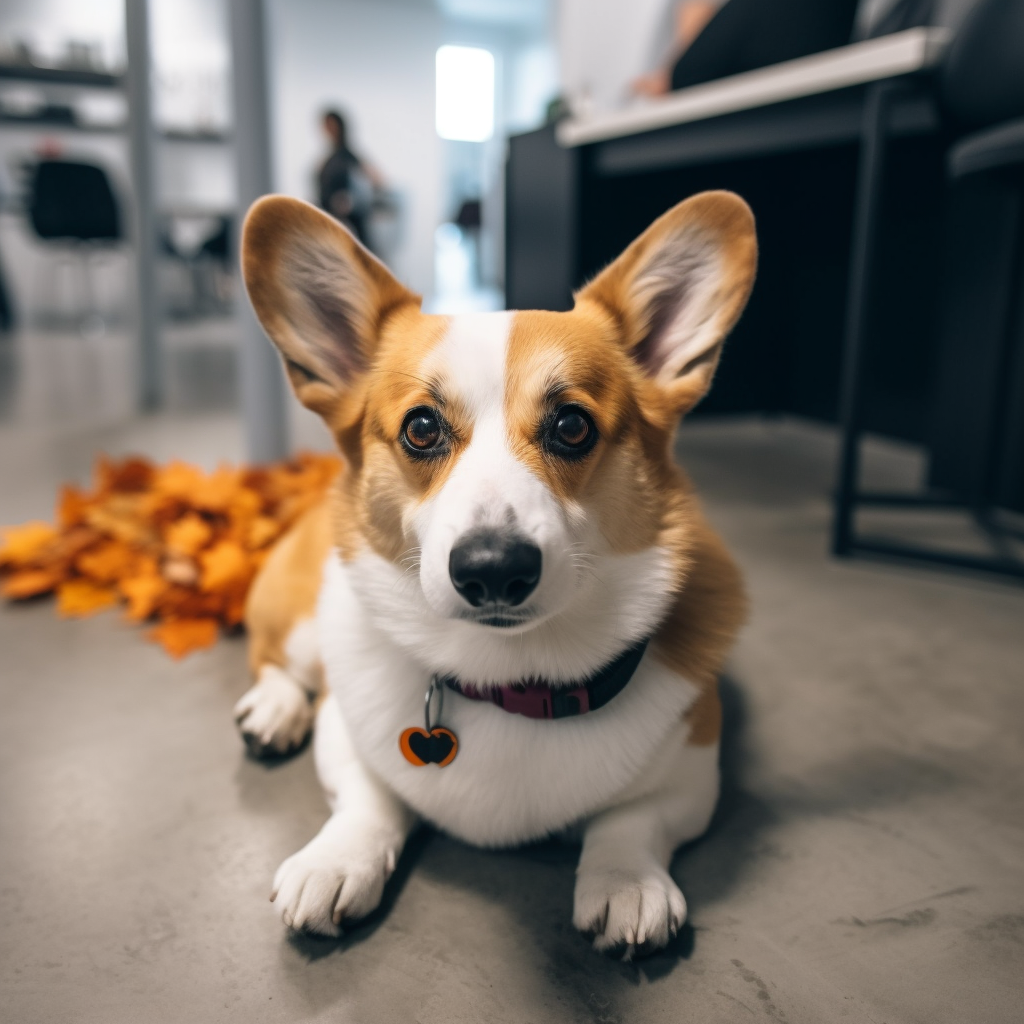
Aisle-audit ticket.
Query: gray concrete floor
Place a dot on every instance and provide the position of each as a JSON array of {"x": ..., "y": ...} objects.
[{"x": 867, "y": 862}]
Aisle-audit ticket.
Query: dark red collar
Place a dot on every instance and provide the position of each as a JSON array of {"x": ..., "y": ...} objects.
[{"x": 535, "y": 698}]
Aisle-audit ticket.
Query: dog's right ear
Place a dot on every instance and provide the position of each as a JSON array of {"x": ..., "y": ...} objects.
[
  {"x": 320, "y": 296},
  {"x": 678, "y": 289}
]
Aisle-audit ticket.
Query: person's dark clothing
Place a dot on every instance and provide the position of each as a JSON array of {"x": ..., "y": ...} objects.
[
  {"x": 749, "y": 34},
  {"x": 337, "y": 195}
]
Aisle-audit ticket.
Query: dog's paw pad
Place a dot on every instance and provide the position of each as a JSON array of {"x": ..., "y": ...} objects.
[
  {"x": 324, "y": 885},
  {"x": 275, "y": 716},
  {"x": 628, "y": 913}
]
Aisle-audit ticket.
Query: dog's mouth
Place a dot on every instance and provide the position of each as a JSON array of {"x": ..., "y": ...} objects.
[{"x": 499, "y": 618}]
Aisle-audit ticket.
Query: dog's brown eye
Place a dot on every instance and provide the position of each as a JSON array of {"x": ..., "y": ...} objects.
[
  {"x": 572, "y": 429},
  {"x": 570, "y": 433},
  {"x": 421, "y": 431}
]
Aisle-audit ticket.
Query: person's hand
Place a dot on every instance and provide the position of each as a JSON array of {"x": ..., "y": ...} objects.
[
  {"x": 655, "y": 84},
  {"x": 691, "y": 19}
]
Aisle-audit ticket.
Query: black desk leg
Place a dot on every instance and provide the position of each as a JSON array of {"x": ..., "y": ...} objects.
[{"x": 858, "y": 307}]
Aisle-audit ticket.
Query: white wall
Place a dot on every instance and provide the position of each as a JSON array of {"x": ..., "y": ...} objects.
[
  {"x": 374, "y": 59},
  {"x": 191, "y": 51},
  {"x": 47, "y": 25},
  {"x": 604, "y": 44},
  {"x": 532, "y": 82}
]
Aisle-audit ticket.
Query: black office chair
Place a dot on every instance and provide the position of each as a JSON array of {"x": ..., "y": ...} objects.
[
  {"x": 73, "y": 203},
  {"x": 978, "y": 434},
  {"x": 201, "y": 244}
]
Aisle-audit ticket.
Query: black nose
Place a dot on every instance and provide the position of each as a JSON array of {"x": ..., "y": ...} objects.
[{"x": 487, "y": 567}]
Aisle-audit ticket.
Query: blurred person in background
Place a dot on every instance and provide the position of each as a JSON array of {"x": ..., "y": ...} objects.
[
  {"x": 713, "y": 39},
  {"x": 340, "y": 191}
]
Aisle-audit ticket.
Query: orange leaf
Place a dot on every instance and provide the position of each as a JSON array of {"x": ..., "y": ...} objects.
[
  {"x": 262, "y": 530},
  {"x": 180, "y": 569},
  {"x": 158, "y": 509},
  {"x": 234, "y": 606},
  {"x": 70, "y": 543},
  {"x": 188, "y": 535},
  {"x": 176, "y": 543},
  {"x": 122, "y": 525},
  {"x": 188, "y": 603},
  {"x": 181, "y": 636},
  {"x": 131, "y": 474},
  {"x": 143, "y": 594},
  {"x": 78, "y": 598},
  {"x": 23, "y": 544},
  {"x": 218, "y": 490},
  {"x": 72, "y": 506},
  {"x": 224, "y": 565},
  {"x": 30, "y": 583},
  {"x": 178, "y": 480},
  {"x": 245, "y": 505},
  {"x": 107, "y": 563}
]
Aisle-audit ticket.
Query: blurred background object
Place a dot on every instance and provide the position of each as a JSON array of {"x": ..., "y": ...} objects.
[
  {"x": 387, "y": 65},
  {"x": 73, "y": 204},
  {"x": 869, "y": 260}
]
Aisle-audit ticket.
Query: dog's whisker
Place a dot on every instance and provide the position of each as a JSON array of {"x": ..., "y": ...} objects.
[
  {"x": 412, "y": 557},
  {"x": 585, "y": 566},
  {"x": 407, "y": 574}
]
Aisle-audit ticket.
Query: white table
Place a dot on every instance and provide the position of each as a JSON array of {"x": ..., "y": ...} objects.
[{"x": 891, "y": 56}]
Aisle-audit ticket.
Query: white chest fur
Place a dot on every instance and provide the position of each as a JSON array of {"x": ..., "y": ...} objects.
[{"x": 514, "y": 778}]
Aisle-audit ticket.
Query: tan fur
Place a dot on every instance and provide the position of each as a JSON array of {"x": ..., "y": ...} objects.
[
  {"x": 701, "y": 626},
  {"x": 286, "y": 589}
]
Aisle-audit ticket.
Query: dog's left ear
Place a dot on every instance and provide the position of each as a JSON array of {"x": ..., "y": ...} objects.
[{"x": 677, "y": 291}]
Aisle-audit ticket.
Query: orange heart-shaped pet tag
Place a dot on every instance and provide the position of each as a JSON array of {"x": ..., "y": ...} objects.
[{"x": 419, "y": 747}]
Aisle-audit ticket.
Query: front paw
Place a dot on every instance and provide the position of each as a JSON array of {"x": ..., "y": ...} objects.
[
  {"x": 275, "y": 716},
  {"x": 328, "y": 883},
  {"x": 628, "y": 912}
]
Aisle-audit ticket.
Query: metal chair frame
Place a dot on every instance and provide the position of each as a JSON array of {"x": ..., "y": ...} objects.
[{"x": 994, "y": 523}]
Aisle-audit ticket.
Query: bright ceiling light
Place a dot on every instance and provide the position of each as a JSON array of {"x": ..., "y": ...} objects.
[{"x": 465, "y": 93}]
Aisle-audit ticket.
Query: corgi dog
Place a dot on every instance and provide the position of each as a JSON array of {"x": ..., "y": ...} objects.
[{"x": 508, "y": 617}]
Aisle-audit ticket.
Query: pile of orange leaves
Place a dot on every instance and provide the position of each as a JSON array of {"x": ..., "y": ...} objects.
[{"x": 177, "y": 546}]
